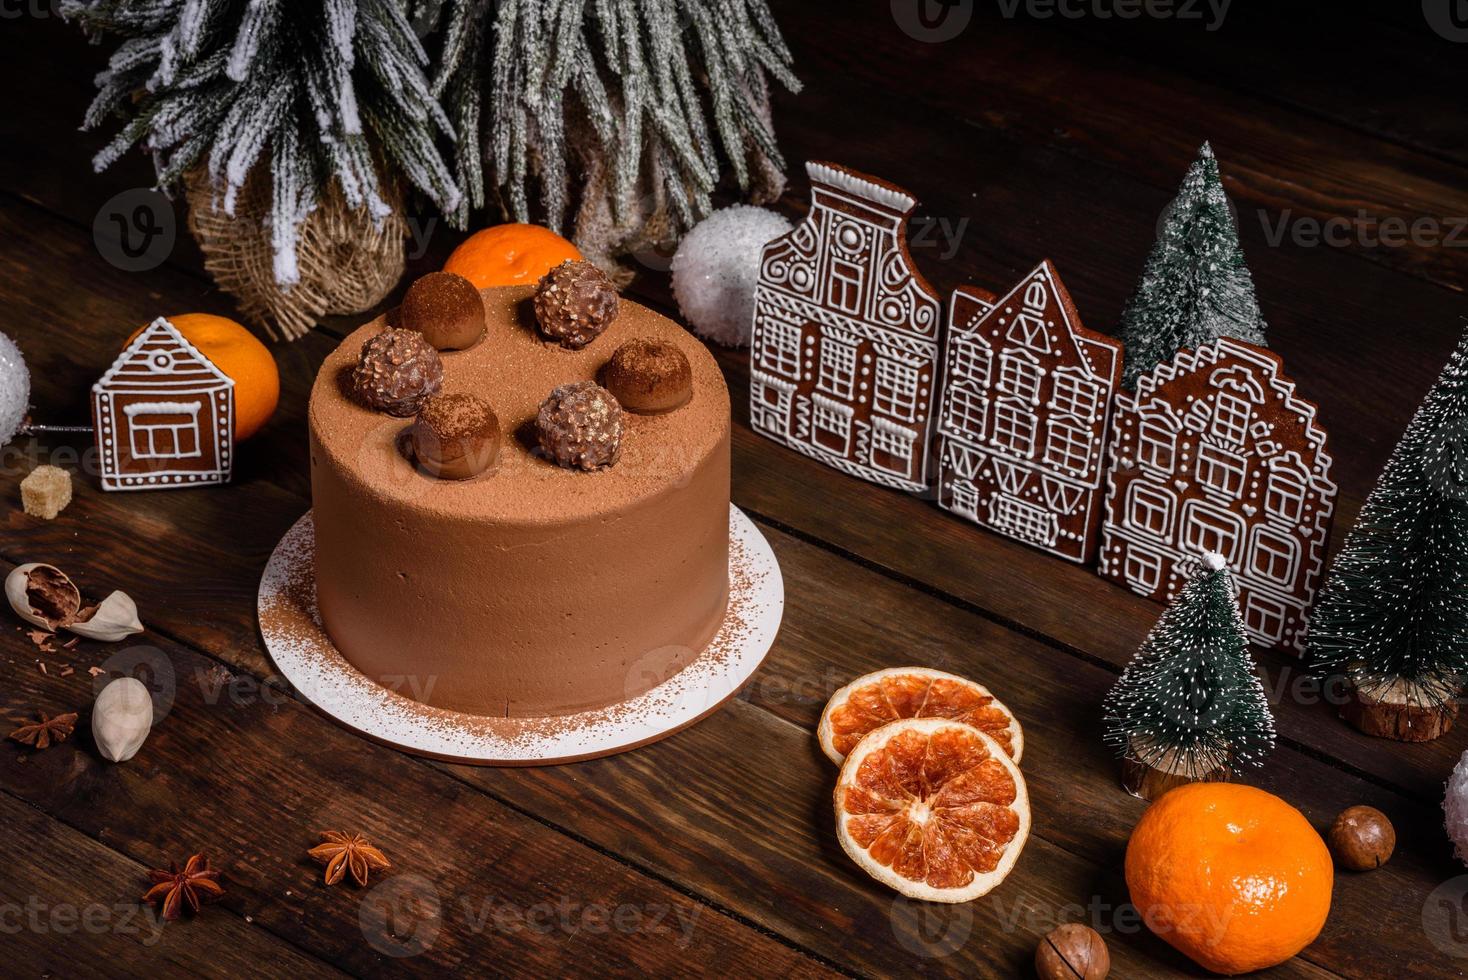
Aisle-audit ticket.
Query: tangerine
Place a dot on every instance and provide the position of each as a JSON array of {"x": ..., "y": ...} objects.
[
  {"x": 1233, "y": 877},
  {"x": 242, "y": 357},
  {"x": 509, "y": 255}
]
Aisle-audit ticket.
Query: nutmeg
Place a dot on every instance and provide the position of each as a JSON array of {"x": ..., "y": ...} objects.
[
  {"x": 455, "y": 436},
  {"x": 446, "y": 309},
  {"x": 574, "y": 303},
  {"x": 1362, "y": 838},
  {"x": 1072, "y": 952},
  {"x": 396, "y": 371},
  {"x": 580, "y": 426},
  {"x": 649, "y": 377}
]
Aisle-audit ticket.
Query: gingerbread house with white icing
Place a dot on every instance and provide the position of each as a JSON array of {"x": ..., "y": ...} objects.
[
  {"x": 1022, "y": 421},
  {"x": 1216, "y": 452},
  {"x": 164, "y": 415},
  {"x": 843, "y": 360}
]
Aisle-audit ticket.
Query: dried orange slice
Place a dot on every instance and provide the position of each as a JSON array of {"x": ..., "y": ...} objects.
[
  {"x": 885, "y": 696},
  {"x": 933, "y": 808}
]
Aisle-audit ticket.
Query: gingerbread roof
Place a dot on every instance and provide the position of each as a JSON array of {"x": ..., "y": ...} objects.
[{"x": 160, "y": 359}]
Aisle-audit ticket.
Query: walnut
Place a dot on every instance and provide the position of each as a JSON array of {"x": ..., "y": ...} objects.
[{"x": 1072, "y": 952}]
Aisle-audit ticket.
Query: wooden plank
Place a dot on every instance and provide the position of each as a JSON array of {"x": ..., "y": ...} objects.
[
  {"x": 69, "y": 907},
  {"x": 242, "y": 770}
]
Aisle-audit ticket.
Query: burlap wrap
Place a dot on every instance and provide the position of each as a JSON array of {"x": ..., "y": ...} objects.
[{"x": 347, "y": 262}]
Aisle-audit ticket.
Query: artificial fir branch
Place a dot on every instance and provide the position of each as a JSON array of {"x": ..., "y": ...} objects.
[
  {"x": 319, "y": 91},
  {"x": 538, "y": 88},
  {"x": 1195, "y": 287},
  {"x": 1190, "y": 701},
  {"x": 1393, "y": 614}
]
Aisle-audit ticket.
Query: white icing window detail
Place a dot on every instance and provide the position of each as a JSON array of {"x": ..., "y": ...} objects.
[
  {"x": 1265, "y": 617},
  {"x": 1019, "y": 376},
  {"x": 1075, "y": 396},
  {"x": 1231, "y": 416},
  {"x": 1011, "y": 478},
  {"x": 1022, "y": 520},
  {"x": 966, "y": 498},
  {"x": 838, "y": 367},
  {"x": 1157, "y": 444},
  {"x": 164, "y": 430},
  {"x": 846, "y": 285},
  {"x": 1029, "y": 330},
  {"x": 1275, "y": 556},
  {"x": 781, "y": 350},
  {"x": 1205, "y": 529},
  {"x": 1285, "y": 495},
  {"x": 1221, "y": 470},
  {"x": 832, "y": 422},
  {"x": 1068, "y": 446},
  {"x": 892, "y": 446},
  {"x": 1014, "y": 428},
  {"x": 1149, "y": 509},
  {"x": 896, "y": 390},
  {"x": 1143, "y": 570},
  {"x": 1061, "y": 497},
  {"x": 971, "y": 362},
  {"x": 966, "y": 411}
]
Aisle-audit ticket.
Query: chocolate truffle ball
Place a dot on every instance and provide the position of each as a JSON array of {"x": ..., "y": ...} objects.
[
  {"x": 446, "y": 309},
  {"x": 455, "y": 436},
  {"x": 574, "y": 303},
  {"x": 580, "y": 426},
  {"x": 649, "y": 377},
  {"x": 396, "y": 371}
]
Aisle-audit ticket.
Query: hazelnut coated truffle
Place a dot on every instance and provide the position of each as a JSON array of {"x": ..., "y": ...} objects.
[
  {"x": 579, "y": 426},
  {"x": 446, "y": 309},
  {"x": 649, "y": 377},
  {"x": 574, "y": 303},
  {"x": 396, "y": 371},
  {"x": 455, "y": 436}
]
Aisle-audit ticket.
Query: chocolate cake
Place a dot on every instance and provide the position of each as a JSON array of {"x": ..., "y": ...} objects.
[{"x": 529, "y": 589}]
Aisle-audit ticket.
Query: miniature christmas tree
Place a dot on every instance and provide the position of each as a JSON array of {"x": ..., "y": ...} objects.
[
  {"x": 1196, "y": 287},
  {"x": 1190, "y": 704},
  {"x": 1393, "y": 616},
  {"x": 318, "y": 92}
]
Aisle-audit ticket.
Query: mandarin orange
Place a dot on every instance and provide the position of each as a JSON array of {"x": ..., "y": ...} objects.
[
  {"x": 1233, "y": 877},
  {"x": 509, "y": 255},
  {"x": 240, "y": 355}
]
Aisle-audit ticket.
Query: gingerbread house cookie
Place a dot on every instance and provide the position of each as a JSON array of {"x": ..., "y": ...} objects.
[
  {"x": 1022, "y": 420},
  {"x": 1215, "y": 452},
  {"x": 843, "y": 363},
  {"x": 164, "y": 415}
]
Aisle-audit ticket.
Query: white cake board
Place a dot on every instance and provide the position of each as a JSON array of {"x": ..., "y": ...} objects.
[{"x": 306, "y": 657}]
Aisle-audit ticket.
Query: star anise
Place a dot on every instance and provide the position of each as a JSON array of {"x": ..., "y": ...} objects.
[
  {"x": 174, "y": 889},
  {"x": 44, "y": 732},
  {"x": 342, "y": 852}
]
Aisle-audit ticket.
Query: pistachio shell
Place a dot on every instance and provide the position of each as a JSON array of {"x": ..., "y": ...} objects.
[
  {"x": 17, "y": 589},
  {"x": 115, "y": 619},
  {"x": 121, "y": 718}
]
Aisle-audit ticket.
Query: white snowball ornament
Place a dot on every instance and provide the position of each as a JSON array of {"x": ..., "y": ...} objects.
[
  {"x": 1455, "y": 808},
  {"x": 15, "y": 389},
  {"x": 715, "y": 268}
]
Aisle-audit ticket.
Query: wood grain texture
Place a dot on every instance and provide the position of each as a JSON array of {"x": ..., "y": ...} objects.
[{"x": 1062, "y": 140}]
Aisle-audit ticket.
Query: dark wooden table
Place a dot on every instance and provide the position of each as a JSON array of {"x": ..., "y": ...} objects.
[{"x": 713, "y": 851}]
